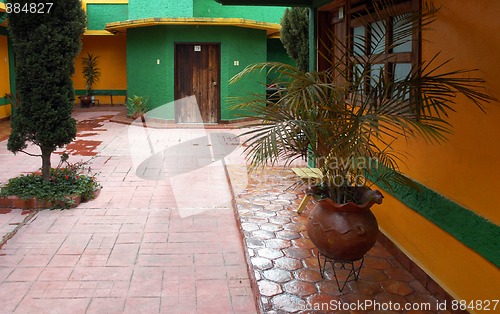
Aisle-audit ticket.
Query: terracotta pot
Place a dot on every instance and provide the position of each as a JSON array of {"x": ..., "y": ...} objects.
[
  {"x": 85, "y": 101},
  {"x": 5, "y": 202},
  {"x": 344, "y": 232}
]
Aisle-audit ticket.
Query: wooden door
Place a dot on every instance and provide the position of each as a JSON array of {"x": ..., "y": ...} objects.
[{"x": 197, "y": 73}]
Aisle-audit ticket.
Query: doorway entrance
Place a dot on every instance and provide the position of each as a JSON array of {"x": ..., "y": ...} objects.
[{"x": 197, "y": 73}]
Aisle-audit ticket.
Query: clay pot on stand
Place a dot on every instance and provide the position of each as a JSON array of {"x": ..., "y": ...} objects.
[
  {"x": 344, "y": 232},
  {"x": 85, "y": 101}
]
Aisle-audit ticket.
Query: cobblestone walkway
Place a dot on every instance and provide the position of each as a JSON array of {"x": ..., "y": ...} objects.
[
  {"x": 285, "y": 266},
  {"x": 163, "y": 236}
]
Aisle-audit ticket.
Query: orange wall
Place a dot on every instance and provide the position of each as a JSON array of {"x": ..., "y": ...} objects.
[
  {"x": 112, "y": 62},
  {"x": 5, "y": 110},
  {"x": 466, "y": 168}
]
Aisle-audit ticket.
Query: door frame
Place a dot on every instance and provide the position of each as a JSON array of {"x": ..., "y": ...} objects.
[{"x": 219, "y": 45}]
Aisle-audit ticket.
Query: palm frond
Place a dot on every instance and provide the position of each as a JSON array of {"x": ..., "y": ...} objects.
[{"x": 352, "y": 112}]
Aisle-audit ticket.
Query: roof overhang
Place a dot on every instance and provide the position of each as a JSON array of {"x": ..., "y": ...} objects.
[{"x": 271, "y": 29}]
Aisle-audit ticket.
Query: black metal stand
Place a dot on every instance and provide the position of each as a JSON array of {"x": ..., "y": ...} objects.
[{"x": 353, "y": 268}]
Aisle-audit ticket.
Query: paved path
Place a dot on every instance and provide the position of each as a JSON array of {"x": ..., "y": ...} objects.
[{"x": 160, "y": 238}]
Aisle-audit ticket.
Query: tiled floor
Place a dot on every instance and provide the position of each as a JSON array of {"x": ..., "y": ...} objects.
[
  {"x": 141, "y": 246},
  {"x": 4, "y": 129},
  {"x": 162, "y": 236},
  {"x": 285, "y": 264}
]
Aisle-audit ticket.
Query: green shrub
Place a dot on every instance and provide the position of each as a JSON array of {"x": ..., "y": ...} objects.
[
  {"x": 137, "y": 106},
  {"x": 73, "y": 179}
]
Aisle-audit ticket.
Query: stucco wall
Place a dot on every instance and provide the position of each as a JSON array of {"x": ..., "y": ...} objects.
[
  {"x": 111, "y": 51},
  {"x": 210, "y": 8},
  {"x": 156, "y": 81},
  {"x": 5, "y": 107},
  {"x": 100, "y": 14},
  {"x": 139, "y": 9},
  {"x": 464, "y": 170}
]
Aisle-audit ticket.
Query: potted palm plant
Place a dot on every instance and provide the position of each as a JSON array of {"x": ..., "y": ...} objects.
[
  {"x": 91, "y": 73},
  {"x": 347, "y": 118}
]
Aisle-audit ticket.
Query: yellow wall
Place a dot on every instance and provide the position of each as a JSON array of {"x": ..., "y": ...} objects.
[
  {"x": 5, "y": 110},
  {"x": 466, "y": 168},
  {"x": 112, "y": 62}
]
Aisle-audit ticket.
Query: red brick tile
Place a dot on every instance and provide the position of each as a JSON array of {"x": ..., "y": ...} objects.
[
  {"x": 261, "y": 263},
  {"x": 210, "y": 272},
  {"x": 300, "y": 288},
  {"x": 269, "y": 288},
  {"x": 398, "y": 287},
  {"x": 142, "y": 305},
  {"x": 146, "y": 282},
  {"x": 32, "y": 305},
  {"x": 106, "y": 305},
  {"x": 55, "y": 274},
  {"x": 308, "y": 275},
  {"x": 209, "y": 259},
  {"x": 287, "y": 263},
  {"x": 287, "y": 302},
  {"x": 24, "y": 274},
  {"x": 243, "y": 305},
  {"x": 165, "y": 260},
  {"x": 278, "y": 275},
  {"x": 270, "y": 253}
]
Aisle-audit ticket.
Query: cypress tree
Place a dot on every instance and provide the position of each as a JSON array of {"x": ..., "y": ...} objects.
[
  {"x": 295, "y": 35},
  {"x": 45, "y": 46}
]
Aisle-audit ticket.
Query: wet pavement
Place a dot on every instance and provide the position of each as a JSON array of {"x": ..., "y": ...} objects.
[{"x": 166, "y": 236}]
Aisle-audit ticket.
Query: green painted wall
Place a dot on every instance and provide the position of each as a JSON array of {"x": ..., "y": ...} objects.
[
  {"x": 144, "y": 76},
  {"x": 276, "y": 53},
  {"x": 140, "y": 9},
  {"x": 100, "y": 14},
  {"x": 147, "y": 78},
  {"x": 210, "y": 8},
  {"x": 472, "y": 230}
]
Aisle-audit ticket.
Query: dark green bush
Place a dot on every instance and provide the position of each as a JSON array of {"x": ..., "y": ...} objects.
[{"x": 74, "y": 179}]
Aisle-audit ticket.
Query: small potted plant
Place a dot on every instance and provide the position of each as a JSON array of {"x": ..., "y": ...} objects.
[
  {"x": 91, "y": 73},
  {"x": 137, "y": 106},
  {"x": 347, "y": 121}
]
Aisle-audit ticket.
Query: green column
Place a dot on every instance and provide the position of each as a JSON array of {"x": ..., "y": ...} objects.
[
  {"x": 312, "y": 39},
  {"x": 311, "y": 160}
]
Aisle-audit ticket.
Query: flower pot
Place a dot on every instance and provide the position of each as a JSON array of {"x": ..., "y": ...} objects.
[
  {"x": 344, "y": 232},
  {"x": 85, "y": 101},
  {"x": 5, "y": 202}
]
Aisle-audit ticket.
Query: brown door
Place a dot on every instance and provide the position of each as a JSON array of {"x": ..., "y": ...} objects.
[{"x": 197, "y": 73}]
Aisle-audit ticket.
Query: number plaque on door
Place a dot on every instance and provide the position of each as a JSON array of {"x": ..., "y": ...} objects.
[{"x": 197, "y": 48}]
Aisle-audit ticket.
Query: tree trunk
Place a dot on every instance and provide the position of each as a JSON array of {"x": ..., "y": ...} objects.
[{"x": 46, "y": 152}]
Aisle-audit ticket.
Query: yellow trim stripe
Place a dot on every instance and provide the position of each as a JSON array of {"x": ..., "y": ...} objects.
[
  {"x": 118, "y": 27},
  {"x": 97, "y": 32}
]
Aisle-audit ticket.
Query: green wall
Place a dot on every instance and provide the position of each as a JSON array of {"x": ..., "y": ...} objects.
[
  {"x": 144, "y": 76},
  {"x": 147, "y": 78},
  {"x": 100, "y": 14},
  {"x": 277, "y": 53},
  {"x": 210, "y": 8},
  {"x": 140, "y": 9}
]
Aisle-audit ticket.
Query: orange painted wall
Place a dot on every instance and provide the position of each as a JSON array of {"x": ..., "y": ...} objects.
[
  {"x": 466, "y": 168},
  {"x": 112, "y": 61},
  {"x": 5, "y": 110}
]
